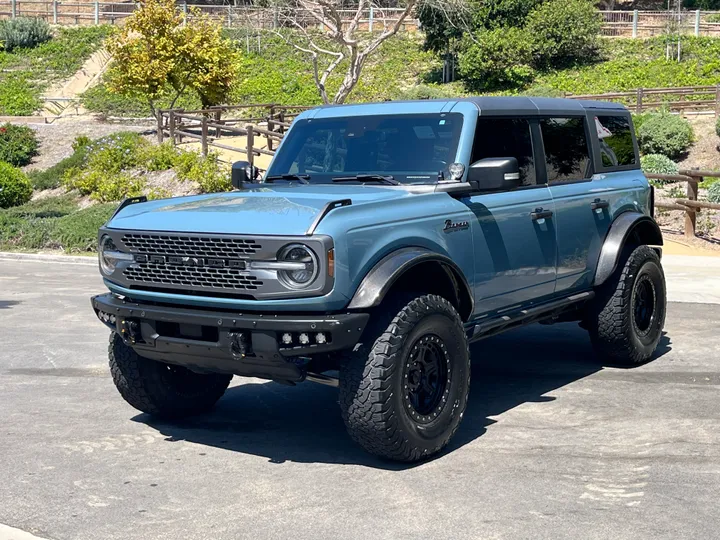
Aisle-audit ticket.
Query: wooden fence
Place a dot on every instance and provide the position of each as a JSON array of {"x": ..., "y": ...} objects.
[
  {"x": 679, "y": 99},
  {"x": 690, "y": 205},
  {"x": 209, "y": 126}
]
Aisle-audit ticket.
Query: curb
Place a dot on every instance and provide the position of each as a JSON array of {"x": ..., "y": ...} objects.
[{"x": 67, "y": 259}]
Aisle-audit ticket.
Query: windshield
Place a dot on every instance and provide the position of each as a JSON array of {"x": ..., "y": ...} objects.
[{"x": 411, "y": 149}]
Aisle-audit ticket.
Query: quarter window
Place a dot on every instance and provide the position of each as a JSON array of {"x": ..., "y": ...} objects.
[
  {"x": 616, "y": 142},
  {"x": 503, "y": 138},
  {"x": 566, "y": 149}
]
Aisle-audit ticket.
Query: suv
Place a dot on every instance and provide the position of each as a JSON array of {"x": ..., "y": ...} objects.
[{"x": 382, "y": 241}]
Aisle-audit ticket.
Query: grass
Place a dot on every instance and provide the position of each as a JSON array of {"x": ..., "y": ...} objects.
[
  {"x": 26, "y": 73},
  {"x": 53, "y": 223}
]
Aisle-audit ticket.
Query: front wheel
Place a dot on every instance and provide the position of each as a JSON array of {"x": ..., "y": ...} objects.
[
  {"x": 627, "y": 316},
  {"x": 162, "y": 390},
  {"x": 404, "y": 391}
]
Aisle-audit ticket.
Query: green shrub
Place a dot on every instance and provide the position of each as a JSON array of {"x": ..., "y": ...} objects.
[
  {"x": 492, "y": 14},
  {"x": 77, "y": 232},
  {"x": 658, "y": 164},
  {"x": 104, "y": 186},
  {"x": 53, "y": 177},
  {"x": 426, "y": 91},
  {"x": 714, "y": 193},
  {"x": 211, "y": 175},
  {"x": 564, "y": 32},
  {"x": 498, "y": 58},
  {"x": 709, "y": 181},
  {"x": 18, "y": 144},
  {"x": 23, "y": 32},
  {"x": 159, "y": 157},
  {"x": 50, "y": 207},
  {"x": 18, "y": 95},
  {"x": 116, "y": 152},
  {"x": 666, "y": 134},
  {"x": 15, "y": 187}
]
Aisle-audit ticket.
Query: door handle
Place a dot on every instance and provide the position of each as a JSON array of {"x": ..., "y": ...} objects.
[
  {"x": 598, "y": 204},
  {"x": 539, "y": 213}
]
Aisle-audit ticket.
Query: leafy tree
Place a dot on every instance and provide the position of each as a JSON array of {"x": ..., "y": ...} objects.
[
  {"x": 160, "y": 52},
  {"x": 702, "y": 4},
  {"x": 497, "y": 58},
  {"x": 503, "y": 13}
]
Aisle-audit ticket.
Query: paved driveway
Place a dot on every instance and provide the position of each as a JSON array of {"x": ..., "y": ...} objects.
[{"x": 553, "y": 445}]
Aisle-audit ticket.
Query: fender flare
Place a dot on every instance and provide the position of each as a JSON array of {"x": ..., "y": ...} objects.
[
  {"x": 625, "y": 226},
  {"x": 381, "y": 277}
]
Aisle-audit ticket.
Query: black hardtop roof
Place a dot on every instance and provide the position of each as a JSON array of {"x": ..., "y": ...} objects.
[{"x": 512, "y": 105}]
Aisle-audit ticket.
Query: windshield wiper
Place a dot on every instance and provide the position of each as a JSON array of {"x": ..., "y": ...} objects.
[
  {"x": 302, "y": 178},
  {"x": 379, "y": 178}
]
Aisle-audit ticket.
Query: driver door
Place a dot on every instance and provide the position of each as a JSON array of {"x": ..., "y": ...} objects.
[{"x": 514, "y": 233}]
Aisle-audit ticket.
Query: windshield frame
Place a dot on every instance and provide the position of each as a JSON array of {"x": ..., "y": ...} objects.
[{"x": 293, "y": 144}]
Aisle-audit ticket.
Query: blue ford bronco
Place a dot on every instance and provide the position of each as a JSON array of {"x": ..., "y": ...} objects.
[{"x": 382, "y": 240}]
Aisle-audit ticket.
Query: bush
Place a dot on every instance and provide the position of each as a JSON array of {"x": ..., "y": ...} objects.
[
  {"x": 497, "y": 58},
  {"x": 159, "y": 157},
  {"x": 658, "y": 164},
  {"x": 665, "y": 134},
  {"x": 15, "y": 187},
  {"x": 564, "y": 32},
  {"x": 714, "y": 193},
  {"x": 77, "y": 232},
  {"x": 53, "y": 177},
  {"x": 24, "y": 33},
  {"x": 105, "y": 186},
  {"x": 18, "y": 95},
  {"x": 207, "y": 172},
  {"x": 17, "y": 144}
]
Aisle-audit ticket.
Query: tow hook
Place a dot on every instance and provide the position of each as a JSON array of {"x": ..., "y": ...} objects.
[
  {"x": 130, "y": 331},
  {"x": 239, "y": 345}
]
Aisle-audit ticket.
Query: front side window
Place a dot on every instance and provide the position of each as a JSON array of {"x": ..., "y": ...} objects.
[
  {"x": 566, "y": 149},
  {"x": 616, "y": 142},
  {"x": 413, "y": 149},
  {"x": 503, "y": 138}
]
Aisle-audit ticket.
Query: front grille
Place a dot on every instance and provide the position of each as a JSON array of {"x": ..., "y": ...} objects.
[
  {"x": 191, "y": 246},
  {"x": 191, "y": 276}
]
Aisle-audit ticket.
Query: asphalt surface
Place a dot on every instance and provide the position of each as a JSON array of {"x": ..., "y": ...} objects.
[{"x": 553, "y": 445}]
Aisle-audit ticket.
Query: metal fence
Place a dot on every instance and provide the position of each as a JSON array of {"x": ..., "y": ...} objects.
[{"x": 639, "y": 24}]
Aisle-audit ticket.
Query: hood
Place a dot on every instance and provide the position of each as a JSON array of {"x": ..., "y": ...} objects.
[{"x": 288, "y": 210}]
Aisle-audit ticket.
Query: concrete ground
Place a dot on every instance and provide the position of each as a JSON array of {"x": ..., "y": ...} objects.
[{"x": 553, "y": 445}]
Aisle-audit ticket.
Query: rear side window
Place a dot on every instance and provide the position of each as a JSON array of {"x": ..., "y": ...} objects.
[
  {"x": 566, "y": 149},
  {"x": 506, "y": 137},
  {"x": 616, "y": 142}
]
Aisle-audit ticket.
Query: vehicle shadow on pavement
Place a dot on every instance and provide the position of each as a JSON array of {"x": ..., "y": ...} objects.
[
  {"x": 7, "y": 304},
  {"x": 303, "y": 424}
]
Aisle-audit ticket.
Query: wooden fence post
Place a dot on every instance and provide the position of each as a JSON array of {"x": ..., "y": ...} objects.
[
  {"x": 639, "y": 105},
  {"x": 250, "y": 145},
  {"x": 717, "y": 100},
  {"x": 271, "y": 126},
  {"x": 204, "y": 140},
  {"x": 171, "y": 125},
  {"x": 218, "y": 114},
  {"x": 160, "y": 133},
  {"x": 691, "y": 217}
]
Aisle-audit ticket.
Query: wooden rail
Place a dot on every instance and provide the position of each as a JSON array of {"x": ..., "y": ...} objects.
[
  {"x": 679, "y": 99},
  {"x": 690, "y": 205},
  {"x": 265, "y": 120}
]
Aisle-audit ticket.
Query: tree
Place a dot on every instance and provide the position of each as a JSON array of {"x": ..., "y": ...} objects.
[
  {"x": 162, "y": 53},
  {"x": 341, "y": 44}
]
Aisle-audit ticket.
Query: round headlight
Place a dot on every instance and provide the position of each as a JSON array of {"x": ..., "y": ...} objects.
[
  {"x": 305, "y": 265},
  {"x": 105, "y": 249}
]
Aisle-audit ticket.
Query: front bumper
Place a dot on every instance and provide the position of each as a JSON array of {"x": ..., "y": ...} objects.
[{"x": 227, "y": 342}]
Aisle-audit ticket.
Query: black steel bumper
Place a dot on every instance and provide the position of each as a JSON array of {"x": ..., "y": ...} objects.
[{"x": 226, "y": 342}]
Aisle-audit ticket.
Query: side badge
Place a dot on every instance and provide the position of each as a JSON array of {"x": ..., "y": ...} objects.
[{"x": 451, "y": 226}]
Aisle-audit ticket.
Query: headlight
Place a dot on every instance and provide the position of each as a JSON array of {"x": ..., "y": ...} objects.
[
  {"x": 302, "y": 266},
  {"x": 109, "y": 255}
]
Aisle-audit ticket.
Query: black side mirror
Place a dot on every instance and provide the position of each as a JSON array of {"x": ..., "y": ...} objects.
[
  {"x": 243, "y": 173},
  {"x": 495, "y": 174}
]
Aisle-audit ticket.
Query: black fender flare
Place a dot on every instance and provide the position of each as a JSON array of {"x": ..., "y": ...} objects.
[
  {"x": 625, "y": 226},
  {"x": 380, "y": 279}
]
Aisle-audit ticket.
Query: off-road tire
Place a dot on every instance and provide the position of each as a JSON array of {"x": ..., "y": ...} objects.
[
  {"x": 373, "y": 390},
  {"x": 612, "y": 322},
  {"x": 162, "y": 390}
]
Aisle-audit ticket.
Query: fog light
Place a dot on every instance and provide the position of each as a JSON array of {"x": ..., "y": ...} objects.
[
  {"x": 113, "y": 319},
  {"x": 320, "y": 338},
  {"x": 304, "y": 339},
  {"x": 287, "y": 338}
]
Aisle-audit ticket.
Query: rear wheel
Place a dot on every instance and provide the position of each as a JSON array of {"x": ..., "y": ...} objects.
[
  {"x": 159, "y": 389},
  {"x": 404, "y": 391},
  {"x": 627, "y": 316}
]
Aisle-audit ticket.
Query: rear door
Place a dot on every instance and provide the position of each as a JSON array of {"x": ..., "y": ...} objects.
[
  {"x": 514, "y": 232},
  {"x": 581, "y": 207}
]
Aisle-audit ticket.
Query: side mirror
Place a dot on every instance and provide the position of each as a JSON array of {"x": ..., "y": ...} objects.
[
  {"x": 495, "y": 174},
  {"x": 242, "y": 173}
]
